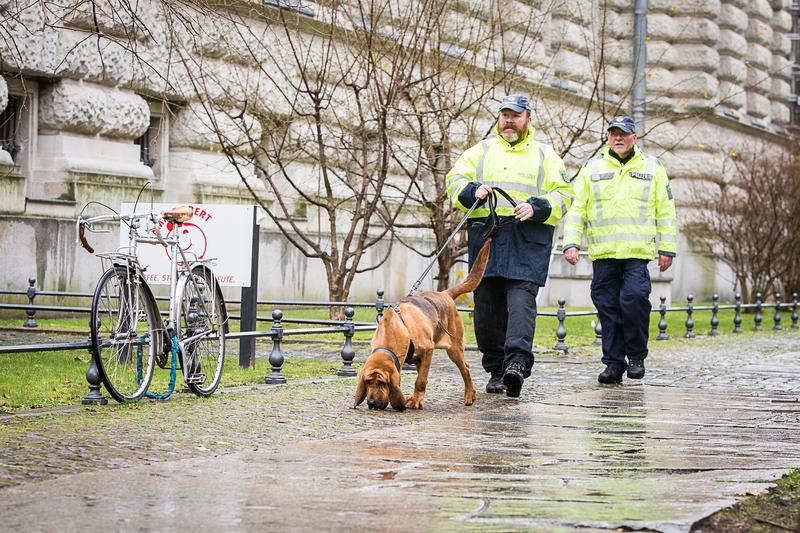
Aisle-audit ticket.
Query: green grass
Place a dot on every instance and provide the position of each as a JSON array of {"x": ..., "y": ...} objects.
[
  {"x": 580, "y": 330},
  {"x": 776, "y": 510},
  {"x": 44, "y": 379},
  {"x": 47, "y": 379}
]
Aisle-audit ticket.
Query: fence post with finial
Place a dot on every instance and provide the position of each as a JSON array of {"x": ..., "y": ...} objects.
[
  {"x": 276, "y": 357},
  {"x": 737, "y": 316},
  {"x": 379, "y": 305},
  {"x": 31, "y": 311},
  {"x": 662, "y": 320},
  {"x": 561, "y": 330},
  {"x": 714, "y": 317},
  {"x": 757, "y": 318},
  {"x": 348, "y": 353}
]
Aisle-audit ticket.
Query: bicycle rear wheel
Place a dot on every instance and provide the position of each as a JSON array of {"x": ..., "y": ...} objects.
[
  {"x": 124, "y": 333},
  {"x": 201, "y": 320}
]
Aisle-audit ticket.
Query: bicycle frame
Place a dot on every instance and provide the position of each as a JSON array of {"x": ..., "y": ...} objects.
[{"x": 172, "y": 243}]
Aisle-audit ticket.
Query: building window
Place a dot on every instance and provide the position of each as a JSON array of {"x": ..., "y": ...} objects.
[
  {"x": 9, "y": 125},
  {"x": 291, "y": 5},
  {"x": 148, "y": 143}
]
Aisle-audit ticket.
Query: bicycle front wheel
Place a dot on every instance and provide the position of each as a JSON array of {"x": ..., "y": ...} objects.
[
  {"x": 202, "y": 326},
  {"x": 123, "y": 327}
]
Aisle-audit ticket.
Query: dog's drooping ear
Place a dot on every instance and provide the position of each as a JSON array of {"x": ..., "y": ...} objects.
[
  {"x": 396, "y": 397},
  {"x": 361, "y": 390}
]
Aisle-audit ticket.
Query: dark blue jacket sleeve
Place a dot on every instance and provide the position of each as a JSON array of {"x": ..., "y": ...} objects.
[
  {"x": 541, "y": 208},
  {"x": 467, "y": 195}
]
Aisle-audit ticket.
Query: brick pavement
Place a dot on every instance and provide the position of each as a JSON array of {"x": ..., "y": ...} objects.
[{"x": 712, "y": 418}]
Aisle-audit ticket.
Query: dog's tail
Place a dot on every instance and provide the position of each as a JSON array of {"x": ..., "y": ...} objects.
[{"x": 475, "y": 273}]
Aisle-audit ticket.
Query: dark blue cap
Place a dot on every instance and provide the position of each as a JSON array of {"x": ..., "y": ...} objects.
[
  {"x": 624, "y": 123},
  {"x": 515, "y": 102}
]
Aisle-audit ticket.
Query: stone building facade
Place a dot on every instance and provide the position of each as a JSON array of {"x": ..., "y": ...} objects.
[{"x": 83, "y": 122}]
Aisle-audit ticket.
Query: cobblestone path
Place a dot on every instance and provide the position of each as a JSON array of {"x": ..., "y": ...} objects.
[{"x": 713, "y": 418}]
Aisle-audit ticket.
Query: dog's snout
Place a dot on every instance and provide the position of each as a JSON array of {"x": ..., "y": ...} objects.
[{"x": 372, "y": 404}]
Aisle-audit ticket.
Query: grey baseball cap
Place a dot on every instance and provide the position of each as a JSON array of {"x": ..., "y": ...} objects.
[
  {"x": 624, "y": 123},
  {"x": 515, "y": 102}
]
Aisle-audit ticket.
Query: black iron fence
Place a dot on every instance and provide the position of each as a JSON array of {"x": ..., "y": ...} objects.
[{"x": 348, "y": 326}]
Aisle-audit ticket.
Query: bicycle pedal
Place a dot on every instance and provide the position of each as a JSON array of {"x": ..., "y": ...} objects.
[{"x": 196, "y": 379}]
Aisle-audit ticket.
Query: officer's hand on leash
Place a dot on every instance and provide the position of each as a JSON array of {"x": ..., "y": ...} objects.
[
  {"x": 523, "y": 211},
  {"x": 571, "y": 256},
  {"x": 483, "y": 191},
  {"x": 664, "y": 262}
]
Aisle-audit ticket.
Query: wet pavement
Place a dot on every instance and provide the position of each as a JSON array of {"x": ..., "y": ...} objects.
[{"x": 714, "y": 418}]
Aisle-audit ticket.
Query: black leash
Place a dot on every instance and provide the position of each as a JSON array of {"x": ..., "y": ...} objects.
[
  {"x": 446, "y": 243},
  {"x": 495, "y": 222},
  {"x": 494, "y": 227}
]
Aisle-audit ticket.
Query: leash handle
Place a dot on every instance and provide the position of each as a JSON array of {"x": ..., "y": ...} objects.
[
  {"x": 494, "y": 223},
  {"x": 504, "y": 194}
]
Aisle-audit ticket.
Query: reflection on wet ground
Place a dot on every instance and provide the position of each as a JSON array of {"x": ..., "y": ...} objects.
[{"x": 658, "y": 454}]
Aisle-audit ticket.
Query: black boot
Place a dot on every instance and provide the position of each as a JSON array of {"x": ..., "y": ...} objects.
[
  {"x": 636, "y": 368},
  {"x": 513, "y": 378},
  {"x": 612, "y": 374},
  {"x": 495, "y": 385}
]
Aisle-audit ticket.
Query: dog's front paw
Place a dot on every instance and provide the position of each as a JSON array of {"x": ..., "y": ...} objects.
[
  {"x": 469, "y": 397},
  {"x": 413, "y": 402}
]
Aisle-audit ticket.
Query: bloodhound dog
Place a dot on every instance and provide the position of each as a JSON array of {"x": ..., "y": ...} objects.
[{"x": 409, "y": 332}]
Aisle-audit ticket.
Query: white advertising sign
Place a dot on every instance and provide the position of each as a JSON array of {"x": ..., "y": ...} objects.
[{"x": 220, "y": 232}]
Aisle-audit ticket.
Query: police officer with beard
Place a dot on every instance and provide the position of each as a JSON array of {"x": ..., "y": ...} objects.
[{"x": 533, "y": 175}]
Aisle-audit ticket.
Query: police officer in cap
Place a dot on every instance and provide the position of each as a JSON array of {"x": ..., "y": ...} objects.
[
  {"x": 623, "y": 202},
  {"x": 533, "y": 175}
]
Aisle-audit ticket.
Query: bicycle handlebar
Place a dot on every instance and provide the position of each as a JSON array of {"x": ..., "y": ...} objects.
[
  {"x": 84, "y": 223},
  {"x": 82, "y": 237},
  {"x": 116, "y": 218},
  {"x": 176, "y": 215}
]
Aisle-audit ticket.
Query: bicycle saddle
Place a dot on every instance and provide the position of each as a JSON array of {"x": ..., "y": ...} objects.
[{"x": 178, "y": 215}]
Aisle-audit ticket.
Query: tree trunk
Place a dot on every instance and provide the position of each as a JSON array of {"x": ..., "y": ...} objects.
[
  {"x": 445, "y": 263},
  {"x": 337, "y": 292}
]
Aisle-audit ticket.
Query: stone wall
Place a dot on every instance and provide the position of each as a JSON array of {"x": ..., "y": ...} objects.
[{"x": 718, "y": 77}]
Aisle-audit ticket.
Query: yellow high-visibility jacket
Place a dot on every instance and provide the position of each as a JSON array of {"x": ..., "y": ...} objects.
[
  {"x": 527, "y": 170},
  {"x": 627, "y": 210}
]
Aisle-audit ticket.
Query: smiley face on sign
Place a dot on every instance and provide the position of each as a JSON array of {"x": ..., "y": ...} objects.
[{"x": 192, "y": 240}]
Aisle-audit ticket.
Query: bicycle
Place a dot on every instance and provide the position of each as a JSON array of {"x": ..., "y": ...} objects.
[{"x": 128, "y": 334}]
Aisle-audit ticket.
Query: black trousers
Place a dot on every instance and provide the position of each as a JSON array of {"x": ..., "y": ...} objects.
[
  {"x": 621, "y": 294},
  {"x": 505, "y": 319}
]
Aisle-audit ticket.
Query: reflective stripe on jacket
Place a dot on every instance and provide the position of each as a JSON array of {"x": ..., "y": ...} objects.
[
  {"x": 529, "y": 172},
  {"x": 627, "y": 210}
]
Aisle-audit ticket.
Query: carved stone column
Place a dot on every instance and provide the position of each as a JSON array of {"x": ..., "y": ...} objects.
[
  {"x": 5, "y": 157},
  {"x": 12, "y": 182},
  {"x": 85, "y": 142}
]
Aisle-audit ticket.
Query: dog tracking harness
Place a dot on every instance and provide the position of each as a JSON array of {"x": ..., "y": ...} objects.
[{"x": 395, "y": 360}]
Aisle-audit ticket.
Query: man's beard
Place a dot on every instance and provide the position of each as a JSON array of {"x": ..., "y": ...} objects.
[{"x": 511, "y": 136}]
